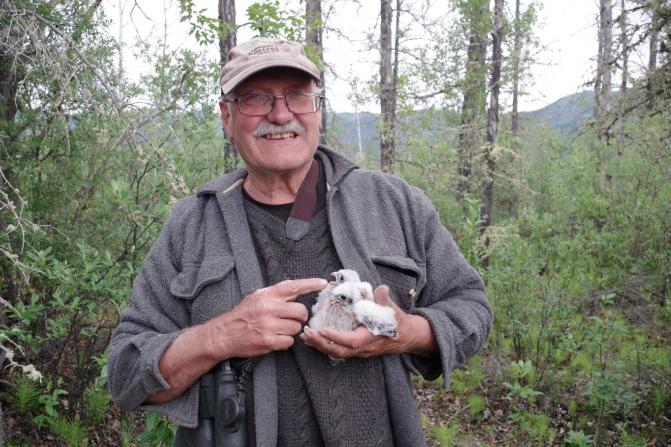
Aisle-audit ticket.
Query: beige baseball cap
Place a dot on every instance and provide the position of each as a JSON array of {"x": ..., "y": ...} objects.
[{"x": 260, "y": 53}]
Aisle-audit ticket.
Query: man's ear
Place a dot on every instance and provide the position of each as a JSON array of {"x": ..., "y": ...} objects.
[{"x": 225, "y": 118}]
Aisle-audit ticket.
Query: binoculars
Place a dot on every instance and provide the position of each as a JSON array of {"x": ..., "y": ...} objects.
[{"x": 222, "y": 417}]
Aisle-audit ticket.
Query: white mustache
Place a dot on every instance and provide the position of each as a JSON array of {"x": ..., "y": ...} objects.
[{"x": 265, "y": 128}]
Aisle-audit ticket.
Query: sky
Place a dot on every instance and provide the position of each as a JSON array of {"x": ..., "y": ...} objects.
[{"x": 566, "y": 31}]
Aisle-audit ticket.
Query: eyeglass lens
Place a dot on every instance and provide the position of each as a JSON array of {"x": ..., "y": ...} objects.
[{"x": 262, "y": 104}]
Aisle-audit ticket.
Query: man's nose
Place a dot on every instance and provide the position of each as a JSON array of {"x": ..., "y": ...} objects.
[{"x": 280, "y": 113}]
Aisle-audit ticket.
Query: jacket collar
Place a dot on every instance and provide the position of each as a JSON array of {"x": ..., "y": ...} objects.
[{"x": 336, "y": 168}]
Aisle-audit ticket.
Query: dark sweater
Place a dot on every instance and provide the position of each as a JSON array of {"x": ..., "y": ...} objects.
[{"x": 319, "y": 404}]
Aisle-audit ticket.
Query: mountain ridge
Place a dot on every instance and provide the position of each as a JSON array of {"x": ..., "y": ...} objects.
[{"x": 360, "y": 133}]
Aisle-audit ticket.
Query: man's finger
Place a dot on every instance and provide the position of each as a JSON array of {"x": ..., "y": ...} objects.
[
  {"x": 351, "y": 339},
  {"x": 293, "y": 311},
  {"x": 291, "y": 288}
]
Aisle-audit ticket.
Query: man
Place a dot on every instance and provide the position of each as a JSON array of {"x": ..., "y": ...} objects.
[{"x": 236, "y": 270}]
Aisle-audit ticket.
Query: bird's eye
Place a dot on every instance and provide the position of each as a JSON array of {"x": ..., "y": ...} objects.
[{"x": 344, "y": 299}]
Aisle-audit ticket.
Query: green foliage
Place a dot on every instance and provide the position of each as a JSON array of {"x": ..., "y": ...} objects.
[
  {"x": 159, "y": 431},
  {"x": 538, "y": 428},
  {"x": 578, "y": 274},
  {"x": 92, "y": 173},
  {"x": 267, "y": 18},
  {"x": 535, "y": 428},
  {"x": 521, "y": 389},
  {"x": 71, "y": 432},
  {"x": 127, "y": 432},
  {"x": 270, "y": 19},
  {"x": 12, "y": 443},
  {"x": 25, "y": 396},
  {"x": 445, "y": 436},
  {"x": 476, "y": 406},
  {"x": 49, "y": 400},
  {"x": 203, "y": 28},
  {"x": 96, "y": 404},
  {"x": 457, "y": 385},
  {"x": 660, "y": 395},
  {"x": 578, "y": 439},
  {"x": 632, "y": 439}
]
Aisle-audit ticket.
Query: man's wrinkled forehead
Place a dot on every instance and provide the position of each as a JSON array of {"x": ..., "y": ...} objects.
[{"x": 271, "y": 77}]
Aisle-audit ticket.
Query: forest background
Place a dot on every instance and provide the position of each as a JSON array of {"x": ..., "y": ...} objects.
[{"x": 568, "y": 220}]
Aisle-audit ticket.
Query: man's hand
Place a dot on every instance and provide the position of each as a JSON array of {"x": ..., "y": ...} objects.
[
  {"x": 266, "y": 320},
  {"x": 414, "y": 336}
]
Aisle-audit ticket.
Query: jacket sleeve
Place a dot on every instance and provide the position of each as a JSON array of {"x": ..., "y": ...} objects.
[
  {"x": 146, "y": 328},
  {"x": 453, "y": 301}
]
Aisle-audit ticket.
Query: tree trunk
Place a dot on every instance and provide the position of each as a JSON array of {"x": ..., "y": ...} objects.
[
  {"x": 492, "y": 119},
  {"x": 397, "y": 40},
  {"x": 227, "y": 40},
  {"x": 654, "y": 42},
  {"x": 624, "y": 45},
  {"x": 314, "y": 28},
  {"x": 599, "y": 58},
  {"x": 120, "y": 5},
  {"x": 8, "y": 86},
  {"x": 387, "y": 90},
  {"x": 517, "y": 54},
  {"x": 474, "y": 92},
  {"x": 607, "y": 71},
  {"x": 603, "y": 82}
]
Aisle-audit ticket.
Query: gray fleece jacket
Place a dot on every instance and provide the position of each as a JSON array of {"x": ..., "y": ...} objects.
[{"x": 203, "y": 264}]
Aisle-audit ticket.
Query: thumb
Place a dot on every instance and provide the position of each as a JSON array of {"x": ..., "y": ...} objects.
[{"x": 382, "y": 297}]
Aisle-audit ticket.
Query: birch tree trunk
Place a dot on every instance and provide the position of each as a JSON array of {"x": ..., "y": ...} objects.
[
  {"x": 227, "y": 40},
  {"x": 492, "y": 119},
  {"x": 387, "y": 90},
  {"x": 314, "y": 28}
]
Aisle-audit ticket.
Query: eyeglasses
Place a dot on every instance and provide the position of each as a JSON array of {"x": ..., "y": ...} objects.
[{"x": 259, "y": 104}]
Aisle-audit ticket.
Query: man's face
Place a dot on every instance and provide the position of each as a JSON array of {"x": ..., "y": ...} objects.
[{"x": 290, "y": 146}]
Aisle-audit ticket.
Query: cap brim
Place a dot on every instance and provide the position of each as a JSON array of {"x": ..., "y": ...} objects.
[{"x": 230, "y": 85}]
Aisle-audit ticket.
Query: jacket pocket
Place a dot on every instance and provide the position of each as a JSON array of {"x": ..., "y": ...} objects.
[
  {"x": 403, "y": 277},
  {"x": 195, "y": 276}
]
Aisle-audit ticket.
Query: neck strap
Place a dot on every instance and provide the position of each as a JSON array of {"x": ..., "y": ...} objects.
[{"x": 301, "y": 214}]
